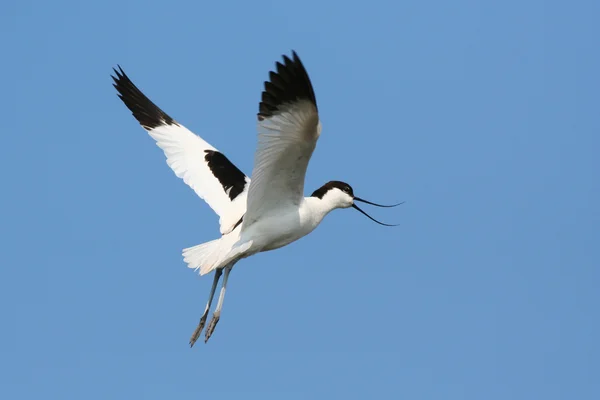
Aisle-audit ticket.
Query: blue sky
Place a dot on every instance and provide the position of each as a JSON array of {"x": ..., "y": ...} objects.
[{"x": 482, "y": 116}]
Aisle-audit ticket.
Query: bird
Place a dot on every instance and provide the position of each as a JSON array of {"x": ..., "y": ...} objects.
[{"x": 265, "y": 211}]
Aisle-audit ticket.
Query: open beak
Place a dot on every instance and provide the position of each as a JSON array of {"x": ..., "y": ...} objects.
[{"x": 373, "y": 204}]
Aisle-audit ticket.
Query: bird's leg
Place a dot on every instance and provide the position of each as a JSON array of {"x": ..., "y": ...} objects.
[
  {"x": 217, "y": 314},
  {"x": 198, "y": 330}
]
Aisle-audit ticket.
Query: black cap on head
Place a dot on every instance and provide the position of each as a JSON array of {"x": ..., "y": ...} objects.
[{"x": 343, "y": 186}]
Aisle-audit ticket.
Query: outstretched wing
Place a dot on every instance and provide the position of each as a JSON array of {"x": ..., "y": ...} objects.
[
  {"x": 288, "y": 129},
  {"x": 206, "y": 170}
]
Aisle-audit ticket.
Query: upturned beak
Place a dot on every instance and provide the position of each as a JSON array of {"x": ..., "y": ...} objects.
[{"x": 373, "y": 204}]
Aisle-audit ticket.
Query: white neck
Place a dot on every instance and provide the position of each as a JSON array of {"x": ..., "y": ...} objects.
[{"x": 315, "y": 209}]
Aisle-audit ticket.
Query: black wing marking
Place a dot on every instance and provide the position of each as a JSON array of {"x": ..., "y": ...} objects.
[
  {"x": 289, "y": 84},
  {"x": 231, "y": 178},
  {"x": 148, "y": 114}
]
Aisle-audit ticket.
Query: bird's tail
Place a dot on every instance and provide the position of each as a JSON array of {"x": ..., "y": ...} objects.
[
  {"x": 214, "y": 254},
  {"x": 204, "y": 256}
]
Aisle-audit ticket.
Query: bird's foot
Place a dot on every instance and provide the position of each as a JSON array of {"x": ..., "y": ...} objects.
[
  {"x": 211, "y": 326},
  {"x": 198, "y": 330}
]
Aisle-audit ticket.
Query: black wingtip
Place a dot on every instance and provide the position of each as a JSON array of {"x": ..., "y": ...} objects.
[
  {"x": 148, "y": 114},
  {"x": 289, "y": 84}
]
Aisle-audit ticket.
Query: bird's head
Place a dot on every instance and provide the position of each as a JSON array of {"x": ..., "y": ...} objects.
[{"x": 340, "y": 195}]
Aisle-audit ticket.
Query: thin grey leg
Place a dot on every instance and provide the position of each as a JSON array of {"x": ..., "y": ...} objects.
[
  {"x": 217, "y": 314},
  {"x": 198, "y": 330}
]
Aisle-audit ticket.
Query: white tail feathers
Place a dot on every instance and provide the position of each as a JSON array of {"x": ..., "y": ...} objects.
[
  {"x": 214, "y": 254},
  {"x": 204, "y": 256}
]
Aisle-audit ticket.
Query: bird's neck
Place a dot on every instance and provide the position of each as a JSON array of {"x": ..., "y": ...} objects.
[{"x": 318, "y": 208}]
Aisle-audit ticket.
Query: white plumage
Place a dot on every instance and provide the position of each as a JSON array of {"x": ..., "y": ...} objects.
[
  {"x": 182, "y": 149},
  {"x": 285, "y": 144}
]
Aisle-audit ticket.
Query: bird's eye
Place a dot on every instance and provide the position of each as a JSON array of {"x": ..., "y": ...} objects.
[{"x": 347, "y": 189}]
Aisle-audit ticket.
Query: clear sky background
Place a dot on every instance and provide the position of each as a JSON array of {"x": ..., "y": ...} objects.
[{"x": 482, "y": 116}]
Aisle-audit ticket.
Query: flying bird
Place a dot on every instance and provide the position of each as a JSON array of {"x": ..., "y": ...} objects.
[{"x": 260, "y": 214}]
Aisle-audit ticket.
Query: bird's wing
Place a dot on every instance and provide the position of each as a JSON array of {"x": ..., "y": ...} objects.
[
  {"x": 288, "y": 129},
  {"x": 206, "y": 170}
]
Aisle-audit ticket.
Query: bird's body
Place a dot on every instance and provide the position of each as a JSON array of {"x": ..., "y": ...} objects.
[
  {"x": 275, "y": 229},
  {"x": 260, "y": 214},
  {"x": 286, "y": 225}
]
